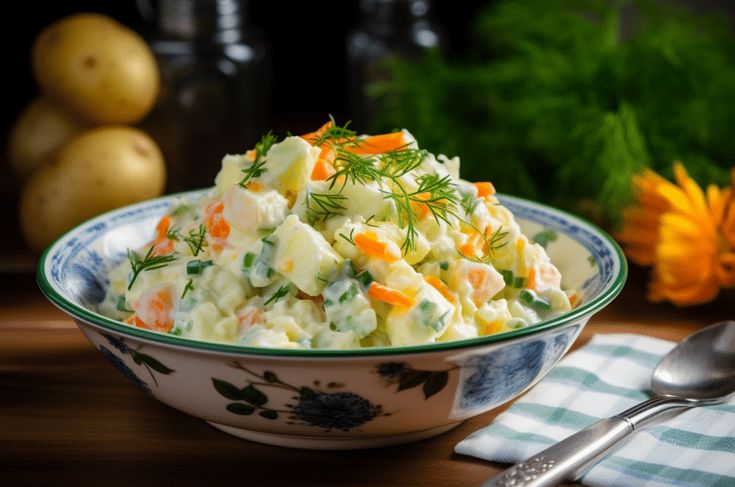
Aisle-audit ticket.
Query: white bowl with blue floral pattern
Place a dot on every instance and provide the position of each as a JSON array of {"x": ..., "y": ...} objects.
[{"x": 329, "y": 399}]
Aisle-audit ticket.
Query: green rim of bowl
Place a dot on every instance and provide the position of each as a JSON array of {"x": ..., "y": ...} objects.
[{"x": 106, "y": 323}]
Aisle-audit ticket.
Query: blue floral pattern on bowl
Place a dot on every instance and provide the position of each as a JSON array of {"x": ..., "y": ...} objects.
[{"x": 504, "y": 372}]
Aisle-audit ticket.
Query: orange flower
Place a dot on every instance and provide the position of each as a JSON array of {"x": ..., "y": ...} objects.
[{"x": 687, "y": 235}]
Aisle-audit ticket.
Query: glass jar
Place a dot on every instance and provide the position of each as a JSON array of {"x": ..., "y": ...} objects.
[
  {"x": 215, "y": 85},
  {"x": 387, "y": 28}
]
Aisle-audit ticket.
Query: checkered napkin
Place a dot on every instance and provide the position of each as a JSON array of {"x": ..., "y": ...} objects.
[{"x": 694, "y": 447}]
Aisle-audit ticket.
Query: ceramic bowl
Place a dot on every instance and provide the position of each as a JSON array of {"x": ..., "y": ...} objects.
[{"x": 329, "y": 399}]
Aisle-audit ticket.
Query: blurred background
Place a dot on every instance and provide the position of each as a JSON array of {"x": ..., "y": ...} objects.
[{"x": 562, "y": 102}]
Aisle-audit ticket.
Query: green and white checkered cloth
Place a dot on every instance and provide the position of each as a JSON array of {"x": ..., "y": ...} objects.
[{"x": 693, "y": 447}]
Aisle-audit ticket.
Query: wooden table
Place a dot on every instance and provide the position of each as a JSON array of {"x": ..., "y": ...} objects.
[{"x": 66, "y": 415}]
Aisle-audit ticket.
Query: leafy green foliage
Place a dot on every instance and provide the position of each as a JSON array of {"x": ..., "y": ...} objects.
[{"x": 568, "y": 105}]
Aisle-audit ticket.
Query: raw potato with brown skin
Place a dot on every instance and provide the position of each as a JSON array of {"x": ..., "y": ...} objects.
[
  {"x": 96, "y": 67},
  {"x": 39, "y": 131},
  {"x": 101, "y": 169}
]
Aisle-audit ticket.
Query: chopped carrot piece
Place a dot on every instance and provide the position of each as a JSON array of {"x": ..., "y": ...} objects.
[
  {"x": 249, "y": 316},
  {"x": 368, "y": 242},
  {"x": 445, "y": 291},
  {"x": 378, "y": 144},
  {"x": 163, "y": 225},
  {"x": 421, "y": 209},
  {"x": 531, "y": 279},
  {"x": 153, "y": 310},
  {"x": 217, "y": 227},
  {"x": 485, "y": 189},
  {"x": 312, "y": 137},
  {"x": 250, "y": 155},
  {"x": 493, "y": 327},
  {"x": 323, "y": 170},
  {"x": 469, "y": 247},
  {"x": 162, "y": 245},
  {"x": 390, "y": 295},
  {"x": 255, "y": 186}
]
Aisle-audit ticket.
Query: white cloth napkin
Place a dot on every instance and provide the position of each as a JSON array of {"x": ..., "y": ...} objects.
[{"x": 695, "y": 447}]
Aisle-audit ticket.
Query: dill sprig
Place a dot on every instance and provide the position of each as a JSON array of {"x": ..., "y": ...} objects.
[
  {"x": 174, "y": 234},
  {"x": 196, "y": 239},
  {"x": 398, "y": 162},
  {"x": 438, "y": 194},
  {"x": 148, "y": 263},
  {"x": 349, "y": 239},
  {"x": 322, "y": 206},
  {"x": 355, "y": 169},
  {"x": 256, "y": 169},
  {"x": 469, "y": 202},
  {"x": 490, "y": 243},
  {"x": 188, "y": 287},
  {"x": 280, "y": 293},
  {"x": 337, "y": 136}
]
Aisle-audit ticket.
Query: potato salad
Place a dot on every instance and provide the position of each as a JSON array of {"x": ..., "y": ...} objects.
[{"x": 337, "y": 240}]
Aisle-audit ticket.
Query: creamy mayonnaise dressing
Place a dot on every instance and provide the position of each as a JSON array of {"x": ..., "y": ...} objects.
[{"x": 331, "y": 240}]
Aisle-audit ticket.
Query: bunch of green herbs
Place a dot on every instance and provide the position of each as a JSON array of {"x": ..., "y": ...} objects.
[{"x": 565, "y": 101}]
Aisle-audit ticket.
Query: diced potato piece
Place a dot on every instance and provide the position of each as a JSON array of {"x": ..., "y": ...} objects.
[
  {"x": 492, "y": 317},
  {"x": 366, "y": 200},
  {"x": 545, "y": 275},
  {"x": 303, "y": 256},
  {"x": 348, "y": 308},
  {"x": 231, "y": 172},
  {"x": 289, "y": 165},
  {"x": 423, "y": 323},
  {"x": 250, "y": 210},
  {"x": 480, "y": 281},
  {"x": 336, "y": 339}
]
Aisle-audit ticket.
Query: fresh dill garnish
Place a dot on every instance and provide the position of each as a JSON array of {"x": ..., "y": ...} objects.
[
  {"x": 354, "y": 168},
  {"x": 280, "y": 293},
  {"x": 256, "y": 169},
  {"x": 349, "y": 239},
  {"x": 173, "y": 234},
  {"x": 148, "y": 263},
  {"x": 369, "y": 220},
  {"x": 469, "y": 203},
  {"x": 322, "y": 206},
  {"x": 397, "y": 162},
  {"x": 495, "y": 240},
  {"x": 337, "y": 135},
  {"x": 490, "y": 244},
  {"x": 437, "y": 193},
  {"x": 196, "y": 239},
  {"x": 189, "y": 287}
]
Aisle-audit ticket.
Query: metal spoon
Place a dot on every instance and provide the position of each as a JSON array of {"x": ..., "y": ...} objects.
[{"x": 698, "y": 371}]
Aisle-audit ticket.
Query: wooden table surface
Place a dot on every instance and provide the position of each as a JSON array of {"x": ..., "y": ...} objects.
[{"x": 66, "y": 415}]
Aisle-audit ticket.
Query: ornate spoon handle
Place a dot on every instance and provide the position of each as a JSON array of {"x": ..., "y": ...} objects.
[{"x": 568, "y": 458}]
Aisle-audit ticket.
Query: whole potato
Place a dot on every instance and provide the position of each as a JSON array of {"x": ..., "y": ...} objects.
[
  {"x": 40, "y": 129},
  {"x": 96, "y": 171},
  {"x": 96, "y": 67}
]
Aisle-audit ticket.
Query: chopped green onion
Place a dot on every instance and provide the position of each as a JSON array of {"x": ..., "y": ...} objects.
[
  {"x": 248, "y": 261},
  {"x": 511, "y": 280},
  {"x": 195, "y": 267},
  {"x": 348, "y": 295},
  {"x": 444, "y": 265},
  {"x": 530, "y": 297},
  {"x": 365, "y": 278},
  {"x": 121, "y": 304}
]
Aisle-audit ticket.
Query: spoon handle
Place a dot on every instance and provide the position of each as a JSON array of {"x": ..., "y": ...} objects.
[{"x": 568, "y": 458}]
